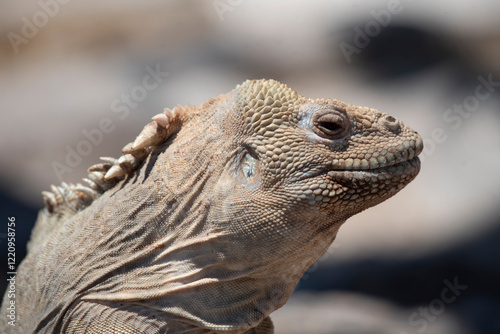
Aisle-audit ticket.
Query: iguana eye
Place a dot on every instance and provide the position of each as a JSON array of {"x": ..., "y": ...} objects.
[
  {"x": 248, "y": 166},
  {"x": 330, "y": 124}
]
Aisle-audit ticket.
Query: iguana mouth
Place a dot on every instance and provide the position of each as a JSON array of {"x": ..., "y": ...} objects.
[
  {"x": 413, "y": 162},
  {"x": 403, "y": 169},
  {"x": 374, "y": 163}
]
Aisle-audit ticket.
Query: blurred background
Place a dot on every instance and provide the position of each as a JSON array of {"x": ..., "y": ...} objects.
[{"x": 86, "y": 76}]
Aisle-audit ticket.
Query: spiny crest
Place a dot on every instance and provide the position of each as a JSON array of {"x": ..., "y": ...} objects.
[{"x": 103, "y": 176}]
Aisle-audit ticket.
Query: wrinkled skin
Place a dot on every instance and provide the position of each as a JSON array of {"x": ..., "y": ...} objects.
[{"x": 212, "y": 232}]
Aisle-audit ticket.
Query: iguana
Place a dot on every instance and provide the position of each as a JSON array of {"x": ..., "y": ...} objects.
[{"x": 210, "y": 217}]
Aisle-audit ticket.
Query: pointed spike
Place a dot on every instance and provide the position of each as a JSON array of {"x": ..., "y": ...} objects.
[
  {"x": 110, "y": 160},
  {"x": 67, "y": 187},
  {"x": 68, "y": 193},
  {"x": 127, "y": 149},
  {"x": 127, "y": 158},
  {"x": 140, "y": 153},
  {"x": 86, "y": 191},
  {"x": 100, "y": 167},
  {"x": 92, "y": 184},
  {"x": 65, "y": 194},
  {"x": 94, "y": 168},
  {"x": 161, "y": 119},
  {"x": 177, "y": 109},
  {"x": 115, "y": 171},
  {"x": 58, "y": 196},
  {"x": 49, "y": 200},
  {"x": 149, "y": 136},
  {"x": 49, "y": 195},
  {"x": 54, "y": 189},
  {"x": 73, "y": 188},
  {"x": 168, "y": 113},
  {"x": 128, "y": 162},
  {"x": 97, "y": 177}
]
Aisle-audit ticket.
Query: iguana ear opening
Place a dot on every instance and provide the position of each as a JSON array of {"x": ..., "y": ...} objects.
[{"x": 248, "y": 169}]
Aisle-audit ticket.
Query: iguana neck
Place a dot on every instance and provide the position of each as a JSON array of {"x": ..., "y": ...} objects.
[{"x": 233, "y": 290}]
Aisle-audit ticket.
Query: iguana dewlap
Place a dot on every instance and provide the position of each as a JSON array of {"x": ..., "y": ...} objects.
[{"x": 211, "y": 216}]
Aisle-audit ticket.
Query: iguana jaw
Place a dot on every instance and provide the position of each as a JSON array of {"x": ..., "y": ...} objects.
[
  {"x": 390, "y": 157},
  {"x": 396, "y": 162},
  {"x": 403, "y": 170}
]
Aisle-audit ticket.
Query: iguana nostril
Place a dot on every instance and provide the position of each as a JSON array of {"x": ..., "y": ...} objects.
[{"x": 391, "y": 123}]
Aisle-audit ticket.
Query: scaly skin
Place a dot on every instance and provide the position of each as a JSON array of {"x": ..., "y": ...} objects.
[{"x": 212, "y": 215}]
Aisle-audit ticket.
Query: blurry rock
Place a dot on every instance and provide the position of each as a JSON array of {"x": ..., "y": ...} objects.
[{"x": 345, "y": 313}]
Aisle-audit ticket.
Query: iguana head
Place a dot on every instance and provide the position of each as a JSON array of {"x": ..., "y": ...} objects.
[
  {"x": 318, "y": 158},
  {"x": 293, "y": 169},
  {"x": 237, "y": 197}
]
